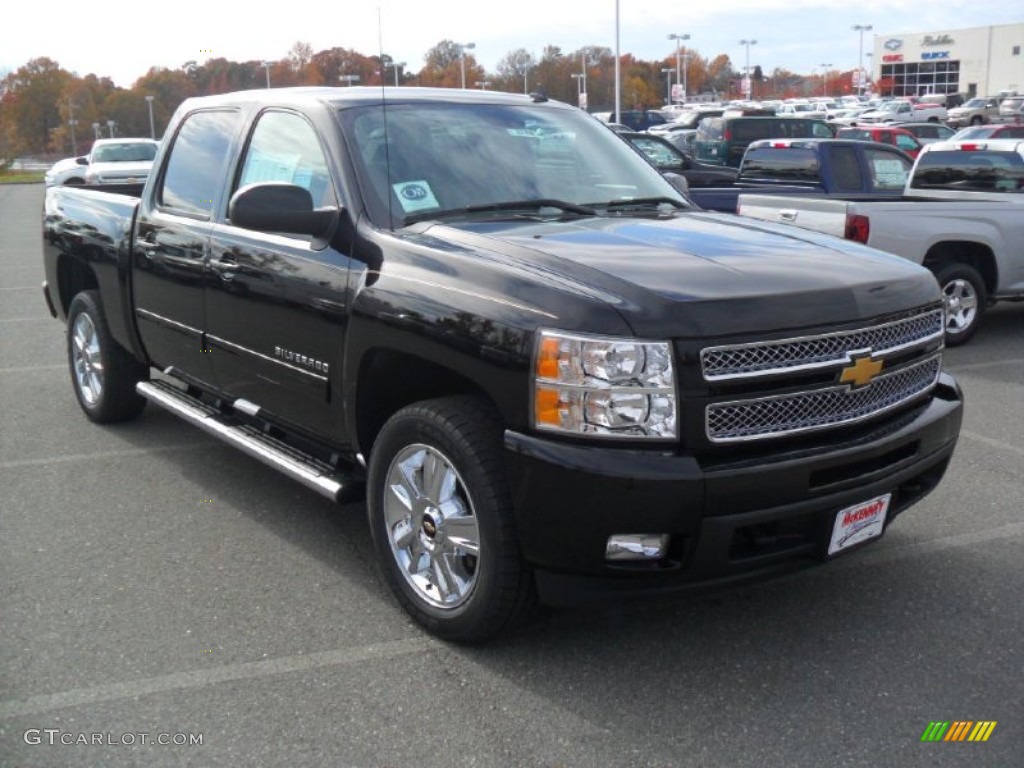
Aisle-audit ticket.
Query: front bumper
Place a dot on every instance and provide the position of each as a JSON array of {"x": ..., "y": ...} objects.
[{"x": 726, "y": 520}]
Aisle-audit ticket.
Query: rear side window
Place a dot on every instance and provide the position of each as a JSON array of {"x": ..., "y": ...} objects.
[
  {"x": 982, "y": 171},
  {"x": 710, "y": 129},
  {"x": 750, "y": 130},
  {"x": 845, "y": 168},
  {"x": 906, "y": 143},
  {"x": 196, "y": 166},
  {"x": 888, "y": 170},
  {"x": 789, "y": 164}
]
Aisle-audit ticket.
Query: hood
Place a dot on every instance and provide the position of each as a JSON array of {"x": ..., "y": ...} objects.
[
  {"x": 121, "y": 170},
  {"x": 705, "y": 274}
]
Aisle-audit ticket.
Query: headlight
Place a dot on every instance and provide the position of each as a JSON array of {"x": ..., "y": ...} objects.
[{"x": 607, "y": 387}]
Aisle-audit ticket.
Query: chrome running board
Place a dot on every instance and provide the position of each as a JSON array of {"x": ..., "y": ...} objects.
[{"x": 311, "y": 472}]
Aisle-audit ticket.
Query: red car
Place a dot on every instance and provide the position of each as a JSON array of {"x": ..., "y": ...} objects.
[{"x": 886, "y": 134}]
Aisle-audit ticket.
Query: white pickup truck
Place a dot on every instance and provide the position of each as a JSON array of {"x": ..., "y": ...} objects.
[
  {"x": 896, "y": 112},
  {"x": 961, "y": 215}
]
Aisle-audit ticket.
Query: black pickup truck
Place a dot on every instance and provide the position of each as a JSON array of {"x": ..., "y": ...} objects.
[
  {"x": 549, "y": 374},
  {"x": 842, "y": 168}
]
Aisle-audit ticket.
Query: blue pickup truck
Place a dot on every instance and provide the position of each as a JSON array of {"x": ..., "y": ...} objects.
[{"x": 850, "y": 169}]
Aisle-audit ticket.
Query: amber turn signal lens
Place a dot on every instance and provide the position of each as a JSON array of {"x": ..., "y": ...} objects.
[
  {"x": 546, "y": 407},
  {"x": 547, "y": 359}
]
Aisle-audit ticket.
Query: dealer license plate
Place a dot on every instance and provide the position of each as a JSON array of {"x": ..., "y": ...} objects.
[{"x": 859, "y": 523}]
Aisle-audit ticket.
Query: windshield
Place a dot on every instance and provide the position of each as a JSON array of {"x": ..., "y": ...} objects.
[
  {"x": 443, "y": 157},
  {"x": 974, "y": 104},
  {"x": 133, "y": 152},
  {"x": 981, "y": 171}
]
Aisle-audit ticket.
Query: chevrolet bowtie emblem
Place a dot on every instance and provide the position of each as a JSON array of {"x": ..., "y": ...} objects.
[{"x": 863, "y": 370}]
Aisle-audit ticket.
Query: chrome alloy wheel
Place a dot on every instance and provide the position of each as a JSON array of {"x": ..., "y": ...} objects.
[
  {"x": 88, "y": 364},
  {"x": 961, "y": 305},
  {"x": 432, "y": 526}
]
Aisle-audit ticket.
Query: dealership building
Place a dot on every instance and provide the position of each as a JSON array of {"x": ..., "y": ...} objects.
[{"x": 979, "y": 61}]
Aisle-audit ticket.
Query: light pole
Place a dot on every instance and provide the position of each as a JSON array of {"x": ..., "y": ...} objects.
[
  {"x": 583, "y": 81},
  {"x": 463, "y": 47},
  {"x": 679, "y": 39},
  {"x": 349, "y": 79},
  {"x": 526, "y": 77},
  {"x": 152, "y": 125},
  {"x": 266, "y": 65},
  {"x": 667, "y": 71},
  {"x": 748, "y": 43},
  {"x": 862, "y": 28},
  {"x": 72, "y": 122},
  {"x": 396, "y": 65},
  {"x": 871, "y": 66},
  {"x": 824, "y": 79},
  {"x": 579, "y": 87}
]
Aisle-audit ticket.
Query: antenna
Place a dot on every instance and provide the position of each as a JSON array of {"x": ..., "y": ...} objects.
[{"x": 384, "y": 116}]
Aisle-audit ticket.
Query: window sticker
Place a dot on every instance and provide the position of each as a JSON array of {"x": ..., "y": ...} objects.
[
  {"x": 415, "y": 196},
  {"x": 889, "y": 172}
]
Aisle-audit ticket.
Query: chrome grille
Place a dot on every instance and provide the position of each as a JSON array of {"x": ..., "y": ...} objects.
[
  {"x": 779, "y": 415},
  {"x": 789, "y": 355}
]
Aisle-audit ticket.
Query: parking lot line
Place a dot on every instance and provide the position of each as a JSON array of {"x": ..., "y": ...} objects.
[
  {"x": 104, "y": 455},
  {"x": 30, "y": 368},
  {"x": 991, "y": 442},
  {"x": 178, "y": 681}
]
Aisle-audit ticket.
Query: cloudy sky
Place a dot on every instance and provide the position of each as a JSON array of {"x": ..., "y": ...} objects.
[{"x": 122, "y": 39}]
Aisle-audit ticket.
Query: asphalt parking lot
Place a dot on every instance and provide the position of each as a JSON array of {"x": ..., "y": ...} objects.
[{"x": 156, "y": 585}]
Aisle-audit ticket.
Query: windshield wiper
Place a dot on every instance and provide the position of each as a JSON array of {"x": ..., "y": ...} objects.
[
  {"x": 644, "y": 204},
  {"x": 531, "y": 208}
]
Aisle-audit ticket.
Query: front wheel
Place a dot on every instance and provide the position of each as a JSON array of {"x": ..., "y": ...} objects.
[
  {"x": 977, "y": 120},
  {"x": 441, "y": 520},
  {"x": 104, "y": 375},
  {"x": 965, "y": 297}
]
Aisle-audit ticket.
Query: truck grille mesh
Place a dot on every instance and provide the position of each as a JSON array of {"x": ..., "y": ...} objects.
[
  {"x": 761, "y": 358},
  {"x": 780, "y": 415}
]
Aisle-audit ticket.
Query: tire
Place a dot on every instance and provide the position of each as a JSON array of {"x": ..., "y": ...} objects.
[
  {"x": 103, "y": 374},
  {"x": 966, "y": 297},
  {"x": 441, "y": 520},
  {"x": 977, "y": 120}
]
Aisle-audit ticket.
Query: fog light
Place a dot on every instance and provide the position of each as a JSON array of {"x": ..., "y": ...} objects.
[{"x": 636, "y": 546}]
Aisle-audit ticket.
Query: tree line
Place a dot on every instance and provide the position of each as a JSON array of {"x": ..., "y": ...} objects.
[{"x": 47, "y": 110}]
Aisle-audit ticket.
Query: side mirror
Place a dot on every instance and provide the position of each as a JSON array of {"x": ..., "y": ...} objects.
[
  {"x": 279, "y": 207},
  {"x": 680, "y": 183},
  {"x": 82, "y": 160}
]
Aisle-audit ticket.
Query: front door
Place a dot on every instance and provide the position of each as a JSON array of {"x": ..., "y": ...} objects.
[{"x": 275, "y": 306}]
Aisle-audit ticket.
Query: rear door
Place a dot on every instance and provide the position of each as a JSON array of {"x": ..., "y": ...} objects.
[
  {"x": 169, "y": 256},
  {"x": 276, "y": 309}
]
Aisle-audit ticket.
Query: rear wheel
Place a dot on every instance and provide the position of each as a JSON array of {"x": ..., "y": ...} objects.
[
  {"x": 104, "y": 375},
  {"x": 441, "y": 519},
  {"x": 977, "y": 120},
  {"x": 965, "y": 296}
]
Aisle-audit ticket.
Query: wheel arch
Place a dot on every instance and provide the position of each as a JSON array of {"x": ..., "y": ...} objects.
[
  {"x": 73, "y": 277},
  {"x": 388, "y": 380},
  {"x": 977, "y": 255}
]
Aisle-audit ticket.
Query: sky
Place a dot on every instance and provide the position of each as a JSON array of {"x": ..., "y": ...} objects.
[{"x": 118, "y": 39}]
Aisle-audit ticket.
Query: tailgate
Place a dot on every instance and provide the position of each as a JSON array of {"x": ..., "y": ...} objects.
[{"x": 816, "y": 213}]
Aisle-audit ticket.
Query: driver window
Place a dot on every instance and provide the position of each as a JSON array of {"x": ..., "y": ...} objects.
[{"x": 284, "y": 147}]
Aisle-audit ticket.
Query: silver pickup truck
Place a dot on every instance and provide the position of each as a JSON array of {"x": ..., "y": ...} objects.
[{"x": 961, "y": 215}]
